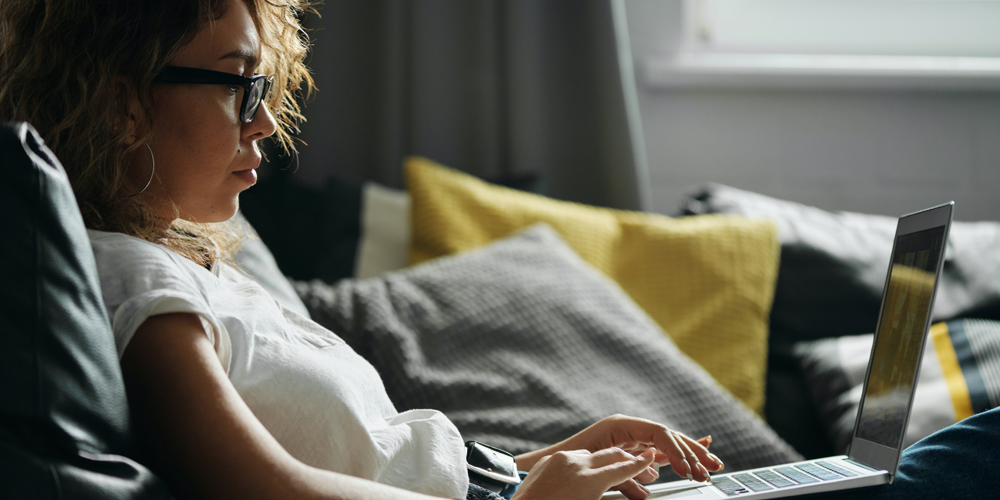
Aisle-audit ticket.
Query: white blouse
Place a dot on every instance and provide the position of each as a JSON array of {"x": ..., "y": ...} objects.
[{"x": 322, "y": 401}]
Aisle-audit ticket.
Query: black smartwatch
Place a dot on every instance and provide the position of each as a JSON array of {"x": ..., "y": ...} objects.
[{"x": 490, "y": 468}]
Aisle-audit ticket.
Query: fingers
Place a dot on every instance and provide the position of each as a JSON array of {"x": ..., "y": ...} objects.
[
  {"x": 611, "y": 458},
  {"x": 686, "y": 456},
  {"x": 632, "y": 490},
  {"x": 649, "y": 475},
  {"x": 708, "y": 459},
  {"x": 620, "y": 467},
  {"x": 582, "y": 474}
]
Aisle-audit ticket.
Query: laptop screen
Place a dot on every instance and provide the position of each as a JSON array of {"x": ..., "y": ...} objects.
[{"x": 896, "y": 355}]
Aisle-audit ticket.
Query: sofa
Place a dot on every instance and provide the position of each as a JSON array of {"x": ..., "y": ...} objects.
[
  {"x": 825, "y": 295},
  {"x": 64, "y": 419},
  {"x": 520, "y": 342}
]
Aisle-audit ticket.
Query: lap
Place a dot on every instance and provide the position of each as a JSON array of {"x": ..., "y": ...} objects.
[{"x": 956, "y": 462}]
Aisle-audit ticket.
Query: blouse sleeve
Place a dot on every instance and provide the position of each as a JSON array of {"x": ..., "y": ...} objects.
[{"x": 140, "y": 279}]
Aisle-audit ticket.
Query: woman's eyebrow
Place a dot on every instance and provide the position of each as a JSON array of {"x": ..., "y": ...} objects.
[{"x": 242, "y": 53}]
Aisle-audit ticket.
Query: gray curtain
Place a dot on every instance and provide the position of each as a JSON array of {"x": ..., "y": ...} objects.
[{"x": 491, "y": 87}]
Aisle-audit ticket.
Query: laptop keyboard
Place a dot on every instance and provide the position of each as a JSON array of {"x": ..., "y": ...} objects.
[{"x": 780, "y": 477}]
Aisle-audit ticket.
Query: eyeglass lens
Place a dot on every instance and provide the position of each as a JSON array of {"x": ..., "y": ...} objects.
[{"x": 257, "y": 90}]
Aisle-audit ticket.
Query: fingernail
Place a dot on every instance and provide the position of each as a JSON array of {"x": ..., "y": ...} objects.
[
  {"x": 703, "y": 471},
  {"x": 653, "y": 472},
  {"x": 690, "y": 476},
  {"x": 717, "y": 461},
  {"x": 643, "y": 488}
]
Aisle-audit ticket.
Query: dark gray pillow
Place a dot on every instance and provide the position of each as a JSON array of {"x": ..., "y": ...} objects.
[
  {"x": 833, "y": 265},
  {"x": 65, "y": 428},
  {"x": 255, "y": 259},
  {"x": 522, "y": 344}
]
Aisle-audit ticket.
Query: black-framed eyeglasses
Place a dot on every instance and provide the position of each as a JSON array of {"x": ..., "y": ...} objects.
[{"x": 255, "y": 88}]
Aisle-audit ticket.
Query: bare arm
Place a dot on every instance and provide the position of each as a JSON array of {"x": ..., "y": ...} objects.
[{"x": 206, "y": 440}]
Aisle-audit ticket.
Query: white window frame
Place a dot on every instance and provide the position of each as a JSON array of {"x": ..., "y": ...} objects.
[{"x": 676, "y": 57}]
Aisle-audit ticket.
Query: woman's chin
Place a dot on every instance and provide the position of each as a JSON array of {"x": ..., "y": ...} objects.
[{"x": 215, "y": 216}]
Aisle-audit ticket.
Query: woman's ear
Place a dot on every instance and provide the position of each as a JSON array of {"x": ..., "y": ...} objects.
[{"x": 131, "y": 117}]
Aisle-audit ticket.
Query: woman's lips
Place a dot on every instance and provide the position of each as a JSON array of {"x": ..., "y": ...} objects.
[{"x": 249, "y": 176}]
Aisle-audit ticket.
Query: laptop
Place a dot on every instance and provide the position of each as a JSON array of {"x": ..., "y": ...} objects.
[{"x": 890, "y": 382}]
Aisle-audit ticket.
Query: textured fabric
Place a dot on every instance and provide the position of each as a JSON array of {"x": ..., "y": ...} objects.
[
  {"x": 325, "y": 404},
  {"x": 959, "y": 376},
  {"x": 522, "y": 344},
  {"x": 707, "y": 281},
  {"x": 64, "y": 421},
  {"x": 480, "y": 493}
]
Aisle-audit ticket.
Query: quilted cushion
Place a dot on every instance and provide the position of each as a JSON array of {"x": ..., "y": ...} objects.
[
  {"x": 707, "y": 281},
  {"x": 521, "y": 344}
]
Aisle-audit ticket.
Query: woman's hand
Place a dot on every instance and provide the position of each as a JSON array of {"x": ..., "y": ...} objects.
[
  {"x": 688, "y": 457},
  {"x": 582, "y": 475}
]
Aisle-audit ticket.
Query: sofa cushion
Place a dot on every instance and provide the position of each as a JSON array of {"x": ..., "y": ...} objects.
[
  {"x": 707, "y": 281},
  {"x": 521, "y": 344},
  {"x": 833, "y": 264},
  {"x": 257, "y": 261},
  {"x": 830, "y": 280},
  {"x": 64, "y": 420}
]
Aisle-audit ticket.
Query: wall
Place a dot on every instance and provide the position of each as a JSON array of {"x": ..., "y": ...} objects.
[{"x": 878, "y": 151}]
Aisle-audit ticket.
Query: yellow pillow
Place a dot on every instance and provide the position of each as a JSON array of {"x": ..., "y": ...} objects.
[{"x": 707, "y": 280}]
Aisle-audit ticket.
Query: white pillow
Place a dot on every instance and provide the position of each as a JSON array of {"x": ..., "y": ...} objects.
[{"x": 385, "y": 231}]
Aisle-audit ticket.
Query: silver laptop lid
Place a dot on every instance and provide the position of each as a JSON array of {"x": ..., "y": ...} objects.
[{"x": 914, "y": 270}]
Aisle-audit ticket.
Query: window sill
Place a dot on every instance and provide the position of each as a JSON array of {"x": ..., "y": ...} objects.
[{"x": 811, "y": 71}]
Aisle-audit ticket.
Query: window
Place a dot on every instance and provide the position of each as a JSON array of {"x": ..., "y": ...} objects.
[{"x": 839, "y": 43}]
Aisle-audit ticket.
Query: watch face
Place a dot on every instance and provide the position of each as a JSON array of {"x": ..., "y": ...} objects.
[{"x": 492, "y": 463}]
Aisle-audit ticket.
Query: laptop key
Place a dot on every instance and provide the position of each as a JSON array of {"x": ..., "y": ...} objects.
[
  {"x": 753, "y": 482},
  {"x": 820, "y": 472},
  {"x": 728, "y": 486},
  {"x": 797, "y": 475},
  {"x": 777, "y": 480},
  {"x": 838, "y": 470}
]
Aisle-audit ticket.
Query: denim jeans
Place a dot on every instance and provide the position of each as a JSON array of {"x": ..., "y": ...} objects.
[
  {"x": 477, "y": 493},
  {"x": 959, "y": 461}
]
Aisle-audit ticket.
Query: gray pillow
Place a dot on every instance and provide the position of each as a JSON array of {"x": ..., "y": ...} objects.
[
  {"x": 522, "y": 344},
  {"x": 255, "y": 259},
  {"x": 833, "y": 264}
]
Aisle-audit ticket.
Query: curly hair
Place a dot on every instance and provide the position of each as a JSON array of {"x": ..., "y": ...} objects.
[{"x": 71, "y": 68}]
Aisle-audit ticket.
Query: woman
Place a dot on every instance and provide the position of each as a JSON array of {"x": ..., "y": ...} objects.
[{"x": 155, "y": 109}]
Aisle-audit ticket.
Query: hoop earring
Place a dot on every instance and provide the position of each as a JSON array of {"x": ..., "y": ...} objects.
[{"x": 152, "y": 171}]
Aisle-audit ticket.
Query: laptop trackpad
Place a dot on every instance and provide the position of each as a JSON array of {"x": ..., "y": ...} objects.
[{"x": 691, "y": 492}]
